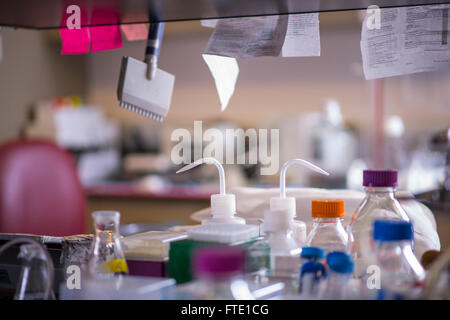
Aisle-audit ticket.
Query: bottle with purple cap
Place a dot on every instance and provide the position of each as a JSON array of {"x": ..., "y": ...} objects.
[{"x": 380, "y": 202}]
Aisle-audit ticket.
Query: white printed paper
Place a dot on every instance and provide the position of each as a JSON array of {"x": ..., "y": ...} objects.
[
  {"x": 209, "y": 23},
  {"x": 410, "y": 40},
  {"x": 225, "y": 71},
  {"x": 248, "y": 37},
  {"x": 287, "y": 36},
  {"x": 302, "y": 36}
]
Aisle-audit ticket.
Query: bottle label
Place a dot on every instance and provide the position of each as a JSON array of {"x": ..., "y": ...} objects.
[
  {"x": 114, "y": 266},
  {"x": 286, "y": 265}
]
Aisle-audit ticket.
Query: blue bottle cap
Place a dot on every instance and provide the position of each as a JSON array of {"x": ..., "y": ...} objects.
[
  {"x": 339, "y": 262},
  {"x": 312, "y": 253},
  {"x": 392, "y": 230},
  {"x": 313, "y": 267}
]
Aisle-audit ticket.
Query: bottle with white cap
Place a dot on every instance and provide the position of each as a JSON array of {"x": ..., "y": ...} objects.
[
  {"x": 278, "y": 254},
  {"x": 288, "y": 203},
  {"x": 223, "y": 205},
  {"x": 284, "y": 250}
]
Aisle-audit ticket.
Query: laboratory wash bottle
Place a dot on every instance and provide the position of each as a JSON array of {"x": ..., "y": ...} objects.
[
  {"x": 223, "y": 204},
  {"x": 327, "y": 231},
  {"x": 277, "y": 254},
  {"x": 401, "y": 274},
  {"x": 379, "y": 203},
  {"x": 283, "y": 202},
  {"x": 107, "y": 258}
]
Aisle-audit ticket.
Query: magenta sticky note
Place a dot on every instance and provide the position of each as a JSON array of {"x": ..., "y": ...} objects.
[
  {"x": 105, "y": 38},
  {"x": 135, "y": 32},
  {"x": 74, "y": 41}
]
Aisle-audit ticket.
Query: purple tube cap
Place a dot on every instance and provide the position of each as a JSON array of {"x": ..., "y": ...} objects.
[{"x": 380, "y": 178}]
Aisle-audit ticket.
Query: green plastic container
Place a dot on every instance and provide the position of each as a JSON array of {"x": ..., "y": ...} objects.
[{"x": 180, "y": 257}]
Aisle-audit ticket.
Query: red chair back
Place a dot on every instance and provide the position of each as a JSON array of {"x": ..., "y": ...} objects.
[{"x": 40, "y": 192}]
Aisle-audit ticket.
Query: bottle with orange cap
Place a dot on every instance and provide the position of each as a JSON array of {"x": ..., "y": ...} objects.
[{"x": 327, "y": 231}]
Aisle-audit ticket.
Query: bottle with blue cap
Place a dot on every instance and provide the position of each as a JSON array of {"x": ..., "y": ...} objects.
[
  {"x": 312, "y": 271},
  {"x": 340, "y": 268},
  {"x": 311, "y": 275},
  {"x": 401, "y": 273},
  {"x": 311, "y": 254}
]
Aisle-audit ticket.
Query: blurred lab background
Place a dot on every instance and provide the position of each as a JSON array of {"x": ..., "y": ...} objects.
[{"x": 323, "y": 107}]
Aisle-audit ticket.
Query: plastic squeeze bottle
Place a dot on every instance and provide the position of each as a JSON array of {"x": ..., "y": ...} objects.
[
  {"x": 288, "y": 203},
  {"x": 223, "y": 205}
]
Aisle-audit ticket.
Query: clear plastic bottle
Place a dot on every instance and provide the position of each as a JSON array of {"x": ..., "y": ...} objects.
[
  {"x": 379, "y": 203},
  {"x": 284, "y": 250},
  {"x": 219, "y": 275},
  {"x": 340, "y": 268},
  {"x": 278, "y": 254},
  {"x": 311, "y": 275},
  {"x": 107, "y": 258},
  {"x": 328, "y": 232},
  {"x": 401, "y": 273}
]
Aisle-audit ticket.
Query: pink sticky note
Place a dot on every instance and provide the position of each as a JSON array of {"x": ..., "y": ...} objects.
[
  {"x": 74, "y": 41},
  {"x": 105, "y": 38},
  {"x": 135, "y": 32}
]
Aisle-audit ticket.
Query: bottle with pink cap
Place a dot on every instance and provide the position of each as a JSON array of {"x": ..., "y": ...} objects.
[
  {"x": 380, "y": 202},
  {"x": 219, "y": 274}
]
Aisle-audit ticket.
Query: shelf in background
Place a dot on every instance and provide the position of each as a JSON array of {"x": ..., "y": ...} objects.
[
  {"x": 133, "y": 191},
  {"x": 49, "y": 14}
]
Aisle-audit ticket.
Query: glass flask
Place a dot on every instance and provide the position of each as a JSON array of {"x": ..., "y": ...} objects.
[
  {"x": 34, "y": 275},
  {"x": 107, "y": 258}
]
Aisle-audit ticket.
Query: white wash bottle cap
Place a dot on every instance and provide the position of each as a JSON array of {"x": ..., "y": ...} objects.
[
  {"x": 288, "y": 203},
  {"x": 223, "y": 206}
]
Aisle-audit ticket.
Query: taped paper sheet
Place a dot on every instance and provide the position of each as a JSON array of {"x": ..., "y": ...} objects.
[
  {"x": 302, "y": 36},
  {"x": 410, "y": 40},
  {"x": 75, "y": 41},
  {"x": 288, "y": 36},
  {"x": 105, "y": 38},
  {"x": 248, "y": 37},
  {"x": 225, "y": 71},
  {"x": 135, "y": 32}
]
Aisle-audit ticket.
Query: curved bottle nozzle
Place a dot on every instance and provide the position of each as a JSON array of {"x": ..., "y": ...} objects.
[
  {"x": 223, "y": 206},
  {"x": 302, "y": 162},
  {"x": 208, "y": 161},
  {"x": 288, "y": 203}
]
